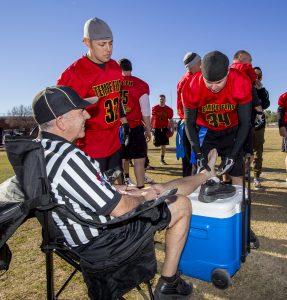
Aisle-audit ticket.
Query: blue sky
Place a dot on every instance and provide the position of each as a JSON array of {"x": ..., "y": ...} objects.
[{"x": 39, "y": 39}]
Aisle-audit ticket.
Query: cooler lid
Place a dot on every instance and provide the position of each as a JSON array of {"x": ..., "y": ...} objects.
[{"x": 221, "y": 208}]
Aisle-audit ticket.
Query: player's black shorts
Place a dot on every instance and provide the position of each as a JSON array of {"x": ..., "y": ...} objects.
[
  {"x": 113, "y": 161},
  {"x": 160, "y": 137},
  {"x": 137, "y": 147},
  {"x": 223, "y": 141}
]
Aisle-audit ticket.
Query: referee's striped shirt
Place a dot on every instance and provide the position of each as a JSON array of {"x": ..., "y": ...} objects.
[{"x": 76, "y": 182}]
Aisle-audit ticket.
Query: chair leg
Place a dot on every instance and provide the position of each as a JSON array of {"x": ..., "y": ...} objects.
[
  {"x": 50, "y": 275},
  {"x": 66, "y": 283},
  {"x": 150, "y": 290},
  {"x": 148, "y": 283}
]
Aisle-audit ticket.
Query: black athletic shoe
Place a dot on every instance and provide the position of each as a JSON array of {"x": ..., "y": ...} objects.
[
  {"x": 179, "y": 289},
  {"x": 254, "y": 241},
  {"x": 211, "y": 191},
  {"x": 162, "y": 162}
]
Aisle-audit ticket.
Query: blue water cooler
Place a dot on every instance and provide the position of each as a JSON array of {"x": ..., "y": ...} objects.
[{"x": 217, "y": 240}]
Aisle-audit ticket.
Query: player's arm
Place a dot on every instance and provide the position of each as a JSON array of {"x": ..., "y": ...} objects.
[
  {"x": 255, "y": 99},
  {"x": 145, "y": 110},
  {"x": 122, "y": 113},
  {"x": 264, "y": 97},
  {"x": 170, "y": 120},
  {"x": 190, "y": 115},
  {"x": 281, "y": 123},
  {"x": 244, "y": 124},
  {"x": 124, "y": 123},
  {"x": 152, "y": 119},
  {"x": 171, "y": 124}
]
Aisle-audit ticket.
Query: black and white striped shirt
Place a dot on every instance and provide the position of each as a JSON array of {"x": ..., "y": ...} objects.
[{"x": 76, "y": 182}]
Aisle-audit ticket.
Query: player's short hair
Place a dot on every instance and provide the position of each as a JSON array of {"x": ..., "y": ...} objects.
[
  {"x": 258, "y": 68},
  {"x": 237, "y": 54},
  {"x": 125, "y": 64},
  {"x": 161, "y": 96}
]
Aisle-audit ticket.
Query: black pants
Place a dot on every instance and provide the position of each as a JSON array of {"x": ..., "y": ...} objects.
[{"x": 188, "y": 168}]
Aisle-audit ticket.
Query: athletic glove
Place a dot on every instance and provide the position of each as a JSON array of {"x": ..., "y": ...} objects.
[
  {"x": 126, "y": 133},
  {"x": 202, "y": 163},
  {"x": 112, "y": 175},
  {"x": 226, "y": 165},
  {"x": 259, "y": 120}
]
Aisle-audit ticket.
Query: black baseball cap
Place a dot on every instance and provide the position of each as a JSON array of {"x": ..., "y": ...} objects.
[
  {"x": 55, "y": 101},
  {"x": 214, "y": 66}
]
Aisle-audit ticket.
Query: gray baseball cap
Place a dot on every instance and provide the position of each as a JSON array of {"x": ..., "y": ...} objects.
[
  {"x": 190, "y": 59},
  {"x": 97, "y": 29}
]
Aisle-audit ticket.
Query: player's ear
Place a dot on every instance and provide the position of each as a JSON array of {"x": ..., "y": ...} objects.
[{"x": 87, "y": 42}]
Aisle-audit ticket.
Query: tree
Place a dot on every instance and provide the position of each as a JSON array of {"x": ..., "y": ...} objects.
[
  {"x": 21, "y": 117},
  {"x": 271, "y": 117},
  {"x": 21, "y": 111}
]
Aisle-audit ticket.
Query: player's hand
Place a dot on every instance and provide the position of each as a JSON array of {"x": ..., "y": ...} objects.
[
  {"x": 258, "y": 84},
  {"x": 226, "y": 165},
  {"x": 259, "y": 119},
  {"x": 202, "y": 163},
  {"x": 126, "y": 133},
  {"x": 147, "y": 136}
]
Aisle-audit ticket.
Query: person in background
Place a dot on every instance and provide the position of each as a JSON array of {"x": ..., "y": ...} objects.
[
  {"x": 162, "y": 123},
  {"x": 242, "y": 61},
  {"x": 192, "y": 63},
  {"x": 282, "y": 123},
  {"x": 135, "y": 98},
  {"x": 97, "y": 78},
  {"x": 259, "y": 128}
]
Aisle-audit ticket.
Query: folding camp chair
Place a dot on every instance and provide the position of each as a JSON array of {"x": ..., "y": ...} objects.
[
  {"x": 71, "y": 257},
  {"x": 27, "y": 159}
]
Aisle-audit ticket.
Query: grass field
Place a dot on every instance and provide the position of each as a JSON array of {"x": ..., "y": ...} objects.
[{"x": 262, "y": 276}]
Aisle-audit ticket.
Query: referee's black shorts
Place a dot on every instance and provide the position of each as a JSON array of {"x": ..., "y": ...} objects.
[
  {"x": 137, "y": 147},
  {"x": 160, "y": 137},
  {"x": 223, "y": 141},
  {"x": 121, "y": 255}
]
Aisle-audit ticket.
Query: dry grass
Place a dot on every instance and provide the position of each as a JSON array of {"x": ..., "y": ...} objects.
[{"x": 263, "y": 276}]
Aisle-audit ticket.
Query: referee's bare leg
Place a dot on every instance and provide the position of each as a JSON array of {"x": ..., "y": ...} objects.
[
  {"x": 180, "y": 208},
  {"x": 176, "y": 234}
]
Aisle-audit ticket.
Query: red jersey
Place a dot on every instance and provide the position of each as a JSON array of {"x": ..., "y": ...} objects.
[
  {"x": 161, "y": 116},
  {"x": 179, "y": 105},
  {"x": 131, "y": 91},
  {"x": 89, "y": 80},
  {"x": 282, "y": 101},
  {"x": 246, "y": 69},
  {"x": 217, "y": 111}
]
